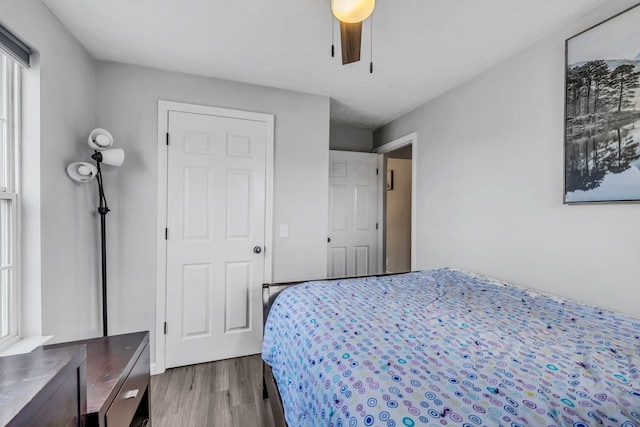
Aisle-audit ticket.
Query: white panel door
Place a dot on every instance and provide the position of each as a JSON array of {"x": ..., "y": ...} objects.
[
  {"x": 353, "y": 214},
  {"x": 215, "y": 217}
]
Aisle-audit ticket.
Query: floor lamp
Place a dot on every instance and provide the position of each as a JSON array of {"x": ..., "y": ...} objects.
[{"x": 101, "y": 141}]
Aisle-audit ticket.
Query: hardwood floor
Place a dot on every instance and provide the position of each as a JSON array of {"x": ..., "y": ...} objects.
[{"x": 216, "y": 394}]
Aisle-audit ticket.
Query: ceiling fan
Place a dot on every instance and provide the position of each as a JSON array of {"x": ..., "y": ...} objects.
[{"x": 351, "y": 13}]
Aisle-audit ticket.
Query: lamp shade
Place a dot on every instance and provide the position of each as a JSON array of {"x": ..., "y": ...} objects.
[
  {"x": 352, "y": 11},
  {"x": 113, "y": 156},
  {"x": 100, "y": 139},
  {"x": 81, "y": 171}
]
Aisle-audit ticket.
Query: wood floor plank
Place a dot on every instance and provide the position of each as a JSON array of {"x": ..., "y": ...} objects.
[{"x": 227, "y": 393}]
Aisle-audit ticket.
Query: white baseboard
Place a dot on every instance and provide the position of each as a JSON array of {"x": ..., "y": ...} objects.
[{"x": 154, "y": 371}]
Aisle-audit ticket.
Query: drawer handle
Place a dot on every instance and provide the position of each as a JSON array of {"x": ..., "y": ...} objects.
[{"x": 131, "y": 394}]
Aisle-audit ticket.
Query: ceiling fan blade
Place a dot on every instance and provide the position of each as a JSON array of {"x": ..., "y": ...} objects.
[{"x": 350, "y": 37}]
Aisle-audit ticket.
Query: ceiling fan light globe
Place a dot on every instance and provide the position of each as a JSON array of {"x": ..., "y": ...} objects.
[{"x": 352, "y": 11}]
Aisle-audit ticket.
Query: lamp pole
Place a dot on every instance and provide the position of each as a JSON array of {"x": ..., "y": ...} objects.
[
  {"x": 101, "y": 141},
  {"x": 103, "y": 210}
]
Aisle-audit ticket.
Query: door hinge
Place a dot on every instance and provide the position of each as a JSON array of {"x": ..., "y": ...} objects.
[
  {"x": 376, "y": 225},
  {"x": 166, "y": 234},
  {"x": 377, "y": 171},
  {"x": 165, "y": 328},
  {"x": 167, "y": 138}
]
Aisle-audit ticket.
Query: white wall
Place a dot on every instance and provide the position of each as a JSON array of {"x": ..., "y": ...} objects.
[
  {"x": 398, "y": 222},
  {"x": 350, "y": 139},
  {"x": 59, "y": 229},
  {"x": 128, "y": 108},
  {"x": 491, "y": 182}
]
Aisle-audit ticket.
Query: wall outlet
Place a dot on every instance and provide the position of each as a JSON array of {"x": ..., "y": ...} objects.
[{"x": 284, "y": 230}]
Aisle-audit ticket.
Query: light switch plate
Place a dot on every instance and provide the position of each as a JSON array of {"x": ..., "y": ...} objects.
[{"x": 284, "y": 230}]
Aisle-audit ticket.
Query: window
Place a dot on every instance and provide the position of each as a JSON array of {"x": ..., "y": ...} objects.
[{"x": 9, "y": 172}]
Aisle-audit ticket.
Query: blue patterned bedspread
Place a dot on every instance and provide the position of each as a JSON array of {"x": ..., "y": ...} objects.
[{"x": 442, "y": 347}]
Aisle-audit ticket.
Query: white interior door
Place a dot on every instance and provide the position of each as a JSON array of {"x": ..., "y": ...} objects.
[
  {"x": 215, "y": 246},
  {"x": 353, "y": 214}
]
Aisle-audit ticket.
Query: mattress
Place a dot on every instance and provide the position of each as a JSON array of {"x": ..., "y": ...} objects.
[{"x": 444, "y": 347}]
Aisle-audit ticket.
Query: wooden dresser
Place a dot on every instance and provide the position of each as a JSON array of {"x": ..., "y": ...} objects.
[
  {"x": 43, "y": 388},
  {"x": 118, "y": 380}
]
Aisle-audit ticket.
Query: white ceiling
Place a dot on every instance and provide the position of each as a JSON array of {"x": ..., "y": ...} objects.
[{"x": 421, "y": 48}]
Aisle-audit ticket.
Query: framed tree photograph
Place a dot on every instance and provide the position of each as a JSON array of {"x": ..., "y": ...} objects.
[{"x": 602, "y": 112}]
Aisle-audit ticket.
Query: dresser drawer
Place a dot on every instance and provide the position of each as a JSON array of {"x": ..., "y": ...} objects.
[
  {"x": 124, "y": 406},
  {"x": 62, "y": 409}
]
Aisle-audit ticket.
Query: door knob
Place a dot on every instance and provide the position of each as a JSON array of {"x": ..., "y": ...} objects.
[
  {"x": 257, "y": 249},
  {"x": 328, "y": 239}
]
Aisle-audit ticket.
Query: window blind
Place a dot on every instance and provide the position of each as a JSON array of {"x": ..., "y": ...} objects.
[{"x": 12, "y": 46}]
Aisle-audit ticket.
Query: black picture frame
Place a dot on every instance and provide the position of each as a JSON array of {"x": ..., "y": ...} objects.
[{"x": 602, "y": 112}]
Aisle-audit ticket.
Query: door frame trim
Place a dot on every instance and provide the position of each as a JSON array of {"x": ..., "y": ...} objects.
[
  {"x": 164, "y": 107},
  {"x": 410, "y": 139}
]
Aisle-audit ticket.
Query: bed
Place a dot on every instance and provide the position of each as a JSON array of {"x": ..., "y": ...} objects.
[{"x": 445, "y": 347}]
